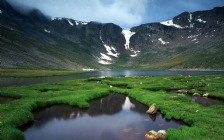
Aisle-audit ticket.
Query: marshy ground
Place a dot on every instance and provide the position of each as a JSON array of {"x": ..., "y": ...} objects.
[{"x": 203, "y": 122}]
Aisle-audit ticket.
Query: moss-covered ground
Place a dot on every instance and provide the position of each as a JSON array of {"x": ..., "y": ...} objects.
[{"x": 204, "y": 123}]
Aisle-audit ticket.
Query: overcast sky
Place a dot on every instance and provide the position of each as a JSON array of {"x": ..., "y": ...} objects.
[{"x": 126, "y": 13}]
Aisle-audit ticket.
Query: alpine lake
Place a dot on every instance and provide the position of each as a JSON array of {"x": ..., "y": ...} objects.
[{"x": 112, "y": 105}]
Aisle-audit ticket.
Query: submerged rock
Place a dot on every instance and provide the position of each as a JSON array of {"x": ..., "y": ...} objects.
[
  {"x": 152, "y": 109},
  {"x": 182, "y": 91},
  {"x": 196, "y": 94},
  {"x": 205, "y": 95}
]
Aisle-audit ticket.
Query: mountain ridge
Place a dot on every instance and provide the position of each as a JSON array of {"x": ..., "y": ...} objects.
[{"x": 188, "y": 41}]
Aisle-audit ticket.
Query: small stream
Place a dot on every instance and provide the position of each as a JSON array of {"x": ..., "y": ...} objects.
[
  {"x": 115, "y": 117},
  {"x": 205, "y": 101}
]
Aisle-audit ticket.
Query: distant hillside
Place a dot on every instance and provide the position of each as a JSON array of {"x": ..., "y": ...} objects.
[{"x": 188, "y": 41}]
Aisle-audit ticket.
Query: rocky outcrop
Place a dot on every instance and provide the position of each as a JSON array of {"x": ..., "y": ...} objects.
[{"x": 152, "y": 109}]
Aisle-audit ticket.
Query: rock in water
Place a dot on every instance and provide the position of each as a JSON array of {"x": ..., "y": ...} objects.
[
  {"x": 152, "y": 109},
  {"x": 161, "y": 134},
  {"x": 149, "y": 137},
  {"x": 196, "y": 94},
  {"x": 153, "y": 135},
  {"x": 205, "y": 95}
]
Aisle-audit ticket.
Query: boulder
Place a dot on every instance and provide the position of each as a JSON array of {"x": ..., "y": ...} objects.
[
  {"x": 153, "y": 135},
  {"x": 149, "y": 137},
  {"x": 205, "y": 95},
  {"x": 161, "y": 134},
  {"x": 196, "y": 94},
  {"x": 152, "y": 109}
]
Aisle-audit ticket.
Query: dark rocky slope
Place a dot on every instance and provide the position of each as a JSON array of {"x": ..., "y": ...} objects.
[{"x": 33, "y": 40}]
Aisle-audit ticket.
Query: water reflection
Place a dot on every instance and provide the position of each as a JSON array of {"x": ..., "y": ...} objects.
[
  {"x": 127, "y": 104},
  {"x": 106, "y": 119}
]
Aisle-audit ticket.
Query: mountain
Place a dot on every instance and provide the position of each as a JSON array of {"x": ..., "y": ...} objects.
[{"x": 33, "y": 40}]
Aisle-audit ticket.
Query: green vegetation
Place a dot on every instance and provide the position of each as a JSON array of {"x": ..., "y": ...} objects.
[
  {"x": 205, "y": 123},
  {"x": 35, "y": 73}
]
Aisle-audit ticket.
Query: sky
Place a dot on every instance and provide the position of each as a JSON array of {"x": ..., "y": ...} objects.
[{"x": 125, "y": 13}]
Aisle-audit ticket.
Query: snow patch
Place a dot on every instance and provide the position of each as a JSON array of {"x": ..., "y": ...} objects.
[
  {"x": 194, "y": 39},
  {"x": 193, "y": 36},
  {"x": 135, "y": 53},
  {"x": 47, "y": 31},
  {"x": 56, "y": 18},
  {"x": 104, "y": 62},
  {"x": 110, "y": 49},
  {"x": 163, "y": 42},
  {"x": 0, "y": 11},
  {"x": 127, "y": 34},
  {"x": 105, "y": 57},
  {"x": 190, "y": 20},
  {"x": 197, "y": 42},
  {"x": 70, "y": 23},
  {"x": 80, "y": 23},
  {"x": 200, "y": 20},
  {"x": 170, "y": 23},
  {"x": 149, "y": 35},
  {"x": 88, "y": 69}
]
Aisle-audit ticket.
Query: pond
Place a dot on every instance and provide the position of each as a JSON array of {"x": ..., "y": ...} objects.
[
  {"x": 115, "y": 117},
  {"x": 10, "y": 81}
]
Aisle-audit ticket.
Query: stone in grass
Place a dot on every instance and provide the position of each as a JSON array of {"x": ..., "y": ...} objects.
[
  {"x": 152, "y": 109},
  {"x": 196, "y": 94},
  {"x": 205, "y": 95}
]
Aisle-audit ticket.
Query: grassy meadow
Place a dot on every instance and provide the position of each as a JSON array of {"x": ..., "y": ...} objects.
[{"x": 203, "y": 123}]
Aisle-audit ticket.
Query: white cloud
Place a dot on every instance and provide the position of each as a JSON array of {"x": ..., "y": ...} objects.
[{"x": 122, "y": 12}]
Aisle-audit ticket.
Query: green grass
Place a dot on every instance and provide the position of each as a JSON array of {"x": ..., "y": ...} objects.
[
  {"x": 35, "y": 73},
  {"x": 205, "y": 123}
]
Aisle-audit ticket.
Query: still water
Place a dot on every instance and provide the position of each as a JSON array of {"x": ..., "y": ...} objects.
[
  {"x": 29, "y": 81},
  {"x": 115, "y": 117}
]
